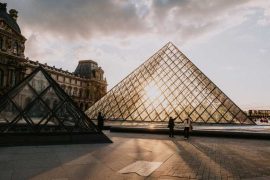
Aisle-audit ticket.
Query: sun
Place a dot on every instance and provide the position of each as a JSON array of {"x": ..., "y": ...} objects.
[{"x": 152, "y": 91}]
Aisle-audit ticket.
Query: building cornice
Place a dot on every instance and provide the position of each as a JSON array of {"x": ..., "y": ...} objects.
[{"x": 60, "y": 71}]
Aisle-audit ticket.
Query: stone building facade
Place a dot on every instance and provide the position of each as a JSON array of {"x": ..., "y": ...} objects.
[{"x": 85, "y": 85}]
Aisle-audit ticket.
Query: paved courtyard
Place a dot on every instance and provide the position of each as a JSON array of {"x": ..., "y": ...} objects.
[{"x": 198, "y": 158}]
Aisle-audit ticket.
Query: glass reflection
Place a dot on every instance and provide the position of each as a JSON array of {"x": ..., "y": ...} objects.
[
  {"x": 37, "y": 105},
  {"x": 152, "y": 91}
]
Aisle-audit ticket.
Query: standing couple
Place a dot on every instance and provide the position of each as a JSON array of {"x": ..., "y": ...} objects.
[{"x": 187, "y": 127}]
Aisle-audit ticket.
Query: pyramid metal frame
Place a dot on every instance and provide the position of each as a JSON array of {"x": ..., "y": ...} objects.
[
  {"x": 178, "y": 88},
  {"x": 28, "y": 116}
]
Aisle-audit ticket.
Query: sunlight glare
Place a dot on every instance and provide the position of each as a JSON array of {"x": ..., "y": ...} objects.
[{"x": 152, "y": 91}]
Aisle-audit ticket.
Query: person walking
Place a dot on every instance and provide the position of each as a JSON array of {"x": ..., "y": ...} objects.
[
  {"x": 171, "y": 126},
  {"x": 187, "y": 127},
  {"x": 100, "y": 119}
]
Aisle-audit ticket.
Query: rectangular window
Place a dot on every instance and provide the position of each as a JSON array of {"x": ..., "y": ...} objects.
[{"x": 13, "y": 78}]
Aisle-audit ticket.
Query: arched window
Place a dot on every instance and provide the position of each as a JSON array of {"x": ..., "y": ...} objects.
[
  {"x": 16, "y": 48},
  {"x": 69, "y": 91},
  {"x": 80, "y": 93},
  {"x": 87, "y": 93},
  {"x": 75, "y": 91},
  {"x": 1, "y": 78}
]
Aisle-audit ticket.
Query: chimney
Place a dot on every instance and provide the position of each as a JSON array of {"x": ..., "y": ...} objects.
[{"x": 13, "y": 13}]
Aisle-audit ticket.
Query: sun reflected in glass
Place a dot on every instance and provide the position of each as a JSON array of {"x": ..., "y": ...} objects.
[{"x": 152, "y": 91}]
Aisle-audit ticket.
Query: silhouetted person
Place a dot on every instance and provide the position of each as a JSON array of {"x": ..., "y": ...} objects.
[
  {"x": 171, "y": 127},
  {"x": 187, "y": 127},
  {"x": 100, "y": 119}
]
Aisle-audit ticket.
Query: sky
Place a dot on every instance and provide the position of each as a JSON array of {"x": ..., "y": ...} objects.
[{"x": 229, "y": 40}]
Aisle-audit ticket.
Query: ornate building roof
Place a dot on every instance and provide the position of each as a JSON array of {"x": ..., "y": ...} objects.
[
  {"x": 85, "y": 68},
  {"x": 10, "y": 18}
]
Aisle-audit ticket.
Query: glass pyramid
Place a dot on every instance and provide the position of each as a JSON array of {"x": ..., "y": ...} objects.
[
  {"x": 168, "y": 84},
  {"x": 38, "y": 105}
]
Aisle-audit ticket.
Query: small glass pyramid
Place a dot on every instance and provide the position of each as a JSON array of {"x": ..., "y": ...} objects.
[
  {"x": 38, "y": 105},
  {"x": 168, "y": 84}
]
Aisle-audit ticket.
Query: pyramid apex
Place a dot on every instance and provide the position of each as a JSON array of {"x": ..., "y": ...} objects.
[{"x": 170, "y": 43}]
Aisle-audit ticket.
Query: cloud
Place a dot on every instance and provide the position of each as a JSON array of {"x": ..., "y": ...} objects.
[
  {"x": 91, "y": 19},
  {"x": 265, "y": 7},
  {"x": 80, "y": 18},
  {"x": 53, "y": 26},
  {"x": 191, "y": 19},
  {"x": 76, "y": 22}
]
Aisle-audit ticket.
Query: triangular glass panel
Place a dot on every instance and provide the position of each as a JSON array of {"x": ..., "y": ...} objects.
[
  {"x": 38, "y": 111},
  {"x": 22, "y": 121},
  {"x": 168, "y": 84},
  {"x": 39, "y": 106},
  {"x": 8, "y": 111},
  {"x": 39, "y": 82},
  {"x": 51, "y": 98},
  {"x": 65, "y": 116},
  {"x": 24, "y": 96}
]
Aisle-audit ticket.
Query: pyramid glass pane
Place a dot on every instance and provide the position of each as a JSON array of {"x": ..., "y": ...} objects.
[
  {"x": 39, "y": 82},
  {"x": 24, "y": 97},
  {"x": 168, "y": 84},
  {"x": 37, "y": 112},
  {"x": 51, "y": 98},
  {"x": 8, "y": 111}
]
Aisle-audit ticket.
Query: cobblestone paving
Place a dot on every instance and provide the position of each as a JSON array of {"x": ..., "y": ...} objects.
[{"x": 197, "y": 158}]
